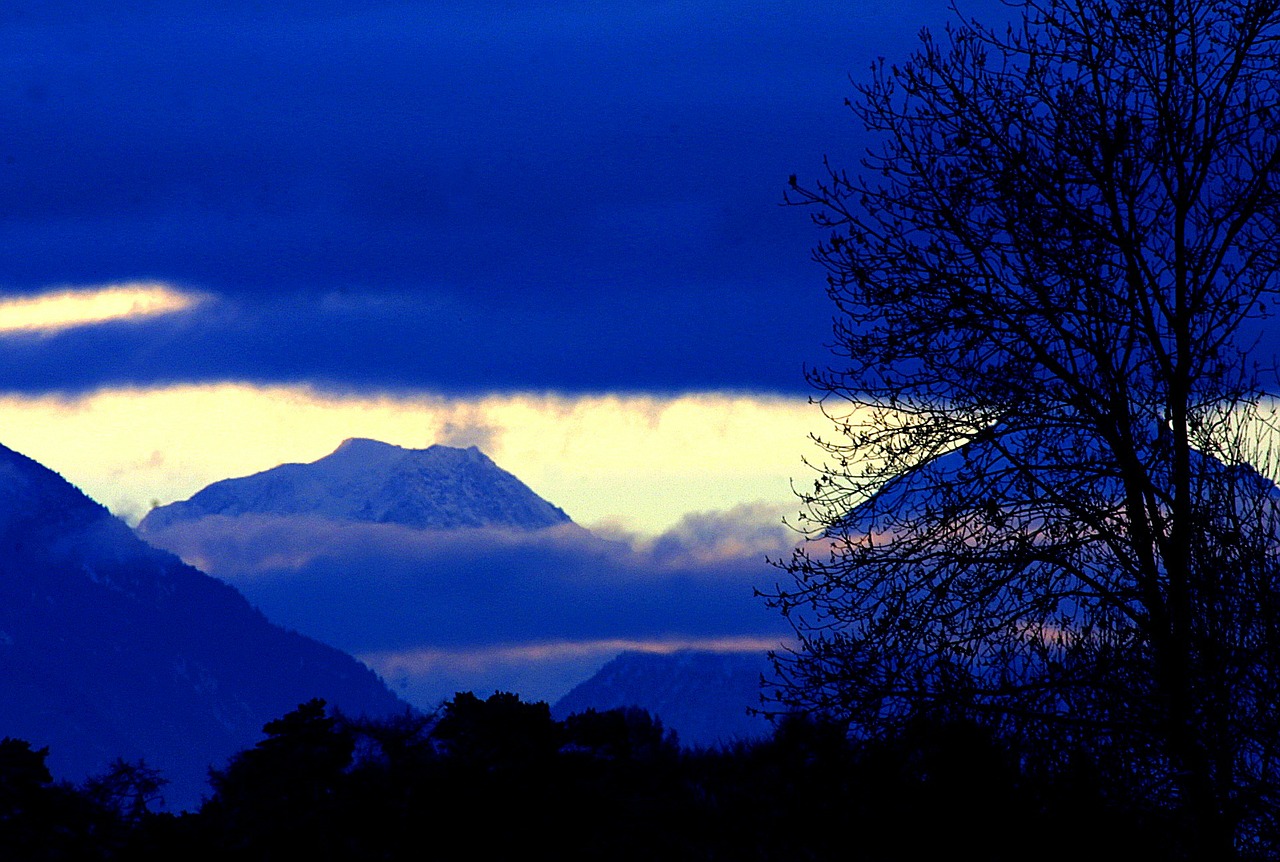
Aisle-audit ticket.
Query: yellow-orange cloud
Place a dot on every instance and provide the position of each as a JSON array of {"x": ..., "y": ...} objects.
[{"x": 58, "y": 310}]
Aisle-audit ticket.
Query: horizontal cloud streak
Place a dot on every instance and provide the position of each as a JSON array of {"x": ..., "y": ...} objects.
[
  {"x": 58, "y": 310},
  {"x": 538, "y": 671},
  {"x": 422, "y": 660}
]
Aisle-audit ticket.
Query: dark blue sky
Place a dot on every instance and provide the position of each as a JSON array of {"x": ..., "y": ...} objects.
[{"x": 464, "y": 196}]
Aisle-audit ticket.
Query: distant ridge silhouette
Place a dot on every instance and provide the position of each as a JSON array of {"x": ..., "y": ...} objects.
[{"x": 702, "y": 695}]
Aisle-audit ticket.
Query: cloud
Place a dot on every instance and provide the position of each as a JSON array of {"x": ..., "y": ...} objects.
[
  {"x": 467, "y": 425},
  {"x": 529, "y": 611},
  {"x": 748, "y": 530},
  {"x": 540, "y": 186},
  {"x": 55, "y": 311},
  {"x": 371, "y": 587}
]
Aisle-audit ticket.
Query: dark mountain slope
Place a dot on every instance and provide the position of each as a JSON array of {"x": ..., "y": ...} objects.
[{"x": 111, "y": 648}]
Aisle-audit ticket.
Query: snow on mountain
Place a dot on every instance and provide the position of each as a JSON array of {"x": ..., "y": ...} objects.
[
  {"x": 111, "y": 648},
  {"x": 438, "y": 487}
]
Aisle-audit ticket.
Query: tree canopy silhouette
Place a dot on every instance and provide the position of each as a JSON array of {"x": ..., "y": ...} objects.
[{"x": 1043, "y": 503}]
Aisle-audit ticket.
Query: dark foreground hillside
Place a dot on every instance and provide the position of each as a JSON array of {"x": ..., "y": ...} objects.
[{"x": 501, "y": 779}]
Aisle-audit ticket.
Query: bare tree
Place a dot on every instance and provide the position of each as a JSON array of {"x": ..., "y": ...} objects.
[{"x": 1040, "y": 506}]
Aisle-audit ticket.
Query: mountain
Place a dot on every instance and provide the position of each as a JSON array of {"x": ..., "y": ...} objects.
[
  {"x": 703, "y": 696},
  {"x": 439, "y": 487},
  {"x": 111, "y": 648}
]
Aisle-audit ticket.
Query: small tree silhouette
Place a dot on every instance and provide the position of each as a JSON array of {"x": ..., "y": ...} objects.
[
  {"x": 625, "y": 733},
  {"x": 127, "y": 788},
  {"x": 501, "y": 731},
  {"x": 282, "y": 796}
]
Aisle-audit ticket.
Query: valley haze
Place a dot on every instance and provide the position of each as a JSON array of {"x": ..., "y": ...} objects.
[{"x": 443, "y": 572}]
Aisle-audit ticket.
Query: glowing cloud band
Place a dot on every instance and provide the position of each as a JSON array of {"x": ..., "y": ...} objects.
[
  {"x": 56, "y": 311},
  {"x": 638, "y": 463},
  {"x": 427, "y": 660}
]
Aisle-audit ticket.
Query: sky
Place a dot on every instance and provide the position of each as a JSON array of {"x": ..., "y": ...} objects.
[{"x": 550, "y": 225}]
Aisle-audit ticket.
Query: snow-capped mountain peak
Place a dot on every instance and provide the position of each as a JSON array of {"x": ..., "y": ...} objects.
[{"x": 366, "y": 480}]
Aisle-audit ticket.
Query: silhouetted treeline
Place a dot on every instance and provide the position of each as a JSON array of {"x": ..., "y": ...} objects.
[{"x": 500, "y": 779}]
